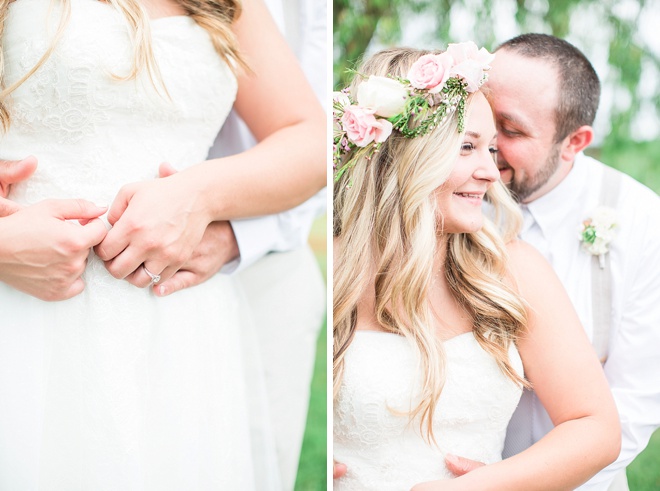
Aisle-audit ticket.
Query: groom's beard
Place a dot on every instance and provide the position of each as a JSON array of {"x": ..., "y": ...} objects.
[{"x": 526, "y": 185}]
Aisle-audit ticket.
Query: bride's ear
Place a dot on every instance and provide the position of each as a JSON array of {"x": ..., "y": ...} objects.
[{"x": 577, "y": 141}]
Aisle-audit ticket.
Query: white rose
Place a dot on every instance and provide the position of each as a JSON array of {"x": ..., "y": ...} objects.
[
  {"x": 385, "y": 96},
  {"x": 599, "y": 247},
  {"x": 603, "y": 217}
]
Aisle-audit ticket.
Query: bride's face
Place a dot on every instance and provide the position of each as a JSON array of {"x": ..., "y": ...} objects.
[{"x": 460, "y": 197}]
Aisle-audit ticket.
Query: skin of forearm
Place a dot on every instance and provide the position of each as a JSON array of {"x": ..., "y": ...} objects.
[
  {"x": 562, "y": 460},
  {"x": 281, "y": 172}
]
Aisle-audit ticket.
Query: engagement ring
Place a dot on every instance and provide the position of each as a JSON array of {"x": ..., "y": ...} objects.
[{"x": 155, "y": 278}]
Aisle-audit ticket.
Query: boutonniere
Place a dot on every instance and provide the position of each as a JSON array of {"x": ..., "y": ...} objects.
[{"x": 597, "y": 232}]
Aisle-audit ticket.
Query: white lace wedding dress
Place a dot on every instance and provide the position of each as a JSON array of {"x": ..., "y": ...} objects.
[
  {"x": 117, "y": 389},
  {"x": 382, "y": 451}
]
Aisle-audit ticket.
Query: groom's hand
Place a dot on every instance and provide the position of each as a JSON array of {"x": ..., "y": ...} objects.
[
  {"x": 338, "y": 469},
  {"x": 11, "y": 172},
  {"x": 44, "y": 251},
  {"x": 217, "y": 247},
  {"x": 460, "y": 465}
]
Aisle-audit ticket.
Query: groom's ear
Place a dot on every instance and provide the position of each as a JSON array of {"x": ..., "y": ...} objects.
[{"x": 575, "y": 142}]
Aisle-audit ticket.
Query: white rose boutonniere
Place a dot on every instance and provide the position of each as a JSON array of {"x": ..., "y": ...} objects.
[{"x": 598, "y": 231}]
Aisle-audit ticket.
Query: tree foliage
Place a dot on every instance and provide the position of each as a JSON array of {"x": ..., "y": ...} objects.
[{"x": 357, "y": 23}]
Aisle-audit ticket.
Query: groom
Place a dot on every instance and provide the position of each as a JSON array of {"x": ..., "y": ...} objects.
[{"x": 544, "y": 94}]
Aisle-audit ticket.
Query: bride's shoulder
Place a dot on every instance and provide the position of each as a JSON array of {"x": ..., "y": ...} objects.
[
  {"x": 521, "y": 251},
  {"x": 527, "y": 267}
]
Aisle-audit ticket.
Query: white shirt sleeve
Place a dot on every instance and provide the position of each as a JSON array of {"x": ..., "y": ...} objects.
[
  {"x": 282, "y": 232},
  {"x": 313, "y": 52},
  {"x": 633, "y": 365}
]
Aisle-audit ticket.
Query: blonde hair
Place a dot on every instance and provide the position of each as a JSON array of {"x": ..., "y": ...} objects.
[
  {"x": 216, "y": 16},
  {"x": 385, "y": 215}
]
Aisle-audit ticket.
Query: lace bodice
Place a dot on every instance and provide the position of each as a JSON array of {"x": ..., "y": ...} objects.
[
  {"x": 380, "y": 448},
  {"x": 91, "y": 132}
]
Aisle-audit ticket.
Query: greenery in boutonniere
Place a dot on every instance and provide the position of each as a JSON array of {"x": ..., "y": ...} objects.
[{"x": 598, "y": 231}]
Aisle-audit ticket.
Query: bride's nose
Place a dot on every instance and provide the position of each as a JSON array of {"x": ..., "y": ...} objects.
[{"x": 487, "y": 169}]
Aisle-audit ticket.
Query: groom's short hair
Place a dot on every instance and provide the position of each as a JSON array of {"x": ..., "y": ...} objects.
[{"x": 579, "y": 87}]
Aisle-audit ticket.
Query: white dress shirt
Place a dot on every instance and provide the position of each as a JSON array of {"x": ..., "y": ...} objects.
[{"x": 552, "y": 224}]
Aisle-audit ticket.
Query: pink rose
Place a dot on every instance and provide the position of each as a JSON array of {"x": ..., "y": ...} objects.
[
  {"x": 362, "y": 127},
  {"x": 470, "y": 63},
  {"x": 430, "y": 72},
  {"x": 471, "y": 72},
  {"x": 462, "y": 51}
]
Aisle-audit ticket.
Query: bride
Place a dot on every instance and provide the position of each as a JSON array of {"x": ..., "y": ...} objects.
[
  {"x": 440, "y": 319},
  {"x": 113, "y": 387}
]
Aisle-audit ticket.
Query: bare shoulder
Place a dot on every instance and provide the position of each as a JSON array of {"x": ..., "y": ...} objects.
[
  {"x": 522, "y": 252},
  {"x": 528, "y": 268}
]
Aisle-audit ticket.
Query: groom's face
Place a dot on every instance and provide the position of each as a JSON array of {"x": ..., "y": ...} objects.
[{"x": 524, "y": 95}]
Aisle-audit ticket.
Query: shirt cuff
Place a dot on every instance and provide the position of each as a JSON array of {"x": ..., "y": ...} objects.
[{"x": 255, "y": 237}]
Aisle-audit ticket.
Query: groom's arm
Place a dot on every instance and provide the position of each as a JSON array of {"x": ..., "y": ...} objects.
[{"x": 633, "y": 365}]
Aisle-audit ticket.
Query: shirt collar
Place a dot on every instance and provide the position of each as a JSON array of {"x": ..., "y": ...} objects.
[{"x": 550, "y": 211}]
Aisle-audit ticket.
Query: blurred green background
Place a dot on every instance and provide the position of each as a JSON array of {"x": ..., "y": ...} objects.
[
  {"x": 619, "y": 37},
  {"x": 312, "y": 469}
]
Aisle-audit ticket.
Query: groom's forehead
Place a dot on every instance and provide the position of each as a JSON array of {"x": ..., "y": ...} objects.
[
  {"x": 517, "y": 81},
  {"x": 523, "y": 71}
]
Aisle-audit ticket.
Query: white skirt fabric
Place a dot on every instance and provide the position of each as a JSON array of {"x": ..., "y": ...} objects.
[{"x": 117, "y": 389}]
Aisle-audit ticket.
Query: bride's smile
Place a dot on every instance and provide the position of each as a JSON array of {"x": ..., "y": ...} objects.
[{"x": 460, "y": 197}]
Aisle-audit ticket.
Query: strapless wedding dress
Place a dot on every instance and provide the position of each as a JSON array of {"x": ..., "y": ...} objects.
[
  {"x": 117, "y": 389},
  {"x": 382, "y": 450}
]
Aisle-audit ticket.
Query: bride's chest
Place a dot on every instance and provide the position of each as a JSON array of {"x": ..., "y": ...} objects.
[
  {"x": 85, "y": 81},
  {"x": 381, "y": 384}
]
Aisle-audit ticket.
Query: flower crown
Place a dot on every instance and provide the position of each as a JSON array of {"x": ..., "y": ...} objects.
[{"x": 436, "y": 86}]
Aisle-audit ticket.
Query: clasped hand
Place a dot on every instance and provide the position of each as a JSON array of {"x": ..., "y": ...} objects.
[
  {"x": 47, "y": 258},
  {"x": 155, "y": 225},
  {"x": 45, "y": 247},
  {"x": 169, "y": 245}
]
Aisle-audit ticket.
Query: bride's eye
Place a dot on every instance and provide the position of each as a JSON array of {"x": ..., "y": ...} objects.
[{"x": 467, "y": 147}]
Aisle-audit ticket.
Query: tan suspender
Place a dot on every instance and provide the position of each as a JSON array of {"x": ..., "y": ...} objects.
[{"x": 601, "y": 277}]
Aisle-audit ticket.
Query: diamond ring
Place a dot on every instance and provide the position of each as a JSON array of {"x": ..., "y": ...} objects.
[{"x": 155, "y": 278}]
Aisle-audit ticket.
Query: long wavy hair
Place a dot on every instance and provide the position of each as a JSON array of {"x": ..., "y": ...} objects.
[
  {"x": 388, "y": 229},
  {"x": 216, "y": 16}
]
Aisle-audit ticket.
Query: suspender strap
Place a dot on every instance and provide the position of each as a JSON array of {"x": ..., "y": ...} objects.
[{"x": 601, "y": 278}]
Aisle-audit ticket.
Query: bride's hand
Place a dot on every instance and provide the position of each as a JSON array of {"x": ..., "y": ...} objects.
[
  {"x": 42, "y": 253},
  {"x": 217, "y": 248},
  {"x": 156, "y": 224}
]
